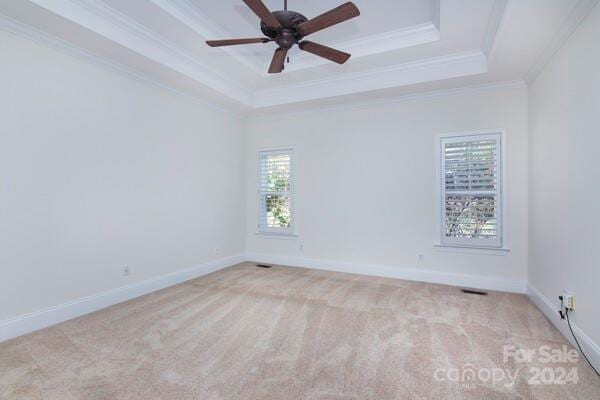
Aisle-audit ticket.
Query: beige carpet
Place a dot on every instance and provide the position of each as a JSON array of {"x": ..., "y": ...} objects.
[{"x": 290, "y": 333}]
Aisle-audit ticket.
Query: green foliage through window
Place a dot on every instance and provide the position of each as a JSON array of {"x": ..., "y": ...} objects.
[
  {"x": 470, "y": 183},
  {"x": 275, "y": 187}
]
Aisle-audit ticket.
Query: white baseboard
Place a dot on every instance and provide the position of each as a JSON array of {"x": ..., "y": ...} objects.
[
  {"x": 445, "y": 278},
  {"x": 550, "y": 310},
  {"x": 34, "y": 321}
]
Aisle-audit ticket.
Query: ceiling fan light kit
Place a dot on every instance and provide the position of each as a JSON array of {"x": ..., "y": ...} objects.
[{"x": 288, "y": 28}]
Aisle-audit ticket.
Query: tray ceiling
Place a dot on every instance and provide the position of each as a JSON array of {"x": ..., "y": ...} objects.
[{"x": 398, "y": 46}]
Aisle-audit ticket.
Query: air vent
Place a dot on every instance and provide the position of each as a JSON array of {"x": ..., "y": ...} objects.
[
  {"x": 263, "y": 266},
  {"x": 477, "y": 292}
]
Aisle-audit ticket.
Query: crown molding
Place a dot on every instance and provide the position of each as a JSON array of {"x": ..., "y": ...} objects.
[
  {"x": 190, "y": 15},
  {"x": 370, "y": 45},
  {"x": 390, "y": 101},
  {"x": 100, "y": 18},
  {"x": 22, "y": 30},
  {"x": 577, "y": 15},
  {"x": 186, "y": 13},
  {"x": 434, "y": 69},
  {"x": 25, "y": 31},
  {"x": 494, "y": 28},
  {"x": 448, "y": 64},
  {"x": 105, "y": 21}
]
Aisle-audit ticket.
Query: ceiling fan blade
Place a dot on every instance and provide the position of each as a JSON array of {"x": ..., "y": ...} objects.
[
  {"x": 278, "y": 61},
  {"x": 234, "y": 42},
  {"x": 326, "y": 52},
  {"x": 263, "y": 13},
  {"x": 337, "y": 15}
]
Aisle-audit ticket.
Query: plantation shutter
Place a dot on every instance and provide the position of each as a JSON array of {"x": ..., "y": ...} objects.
[
  {"x": 471, "y": 208},
  {"x": 275, "y": 191}
]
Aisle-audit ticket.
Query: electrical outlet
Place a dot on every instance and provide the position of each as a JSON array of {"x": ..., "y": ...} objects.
[
  {"x": 421, "y": 258},
  {"x": 301, "y": 247},
  {"x": 569, "y": 301},
  {"x": 126, "y": 270},
  {"x": 217, "y": 251}
]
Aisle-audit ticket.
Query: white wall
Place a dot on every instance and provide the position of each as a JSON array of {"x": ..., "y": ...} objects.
[
  {"x": 564, "y": 126},
  {"x": 98, "y": 170},
  {"x": 366, "y": 189}
]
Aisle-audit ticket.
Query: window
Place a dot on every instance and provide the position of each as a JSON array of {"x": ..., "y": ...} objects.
[
  {"x": 275, "y": 192},
  {"x": 471, "y": 187}
]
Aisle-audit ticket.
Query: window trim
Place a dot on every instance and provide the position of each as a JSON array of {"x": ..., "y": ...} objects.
[
  {"x": 277, "y": 233},
  {"x": 502, "y": 196}
]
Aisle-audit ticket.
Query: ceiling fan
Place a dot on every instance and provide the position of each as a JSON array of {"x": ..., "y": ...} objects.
[{"x": 288, "y": 28}]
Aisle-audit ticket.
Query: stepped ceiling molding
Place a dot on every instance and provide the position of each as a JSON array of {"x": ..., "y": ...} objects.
[{"x": 398, "y": 47}]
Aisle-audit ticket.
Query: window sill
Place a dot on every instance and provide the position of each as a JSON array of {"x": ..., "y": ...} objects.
[
  {"x": 278, "y": 236},
  {"x": 491, "y": 251}
]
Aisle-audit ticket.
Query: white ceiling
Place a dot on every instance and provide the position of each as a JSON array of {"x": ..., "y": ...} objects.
[{"x": 399, "y": 47}]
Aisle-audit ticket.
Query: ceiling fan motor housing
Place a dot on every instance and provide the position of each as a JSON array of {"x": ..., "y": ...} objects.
[{"x": 289, "y": 35}]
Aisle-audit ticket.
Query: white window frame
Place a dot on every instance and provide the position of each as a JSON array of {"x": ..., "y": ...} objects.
[
  {"x": 277, "y": 232},
  {"x": 471, "y": 244}
]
